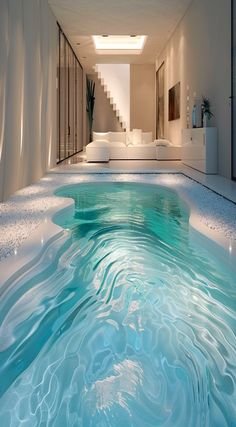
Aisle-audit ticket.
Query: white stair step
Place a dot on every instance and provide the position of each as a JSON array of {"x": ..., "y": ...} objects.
[{"x": 109, "y": 97}]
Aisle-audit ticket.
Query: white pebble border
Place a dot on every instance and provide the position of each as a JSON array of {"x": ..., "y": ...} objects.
[{"x": 29, "y": 207}]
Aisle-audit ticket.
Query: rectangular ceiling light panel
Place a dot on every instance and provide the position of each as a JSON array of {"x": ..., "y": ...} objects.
[{"x": 119, "y": 44}]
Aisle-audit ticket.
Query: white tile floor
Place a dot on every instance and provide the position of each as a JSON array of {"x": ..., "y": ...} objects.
[{"x": 219, "y": 184}]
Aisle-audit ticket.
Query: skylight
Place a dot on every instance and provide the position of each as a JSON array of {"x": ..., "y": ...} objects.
[{"x": 119, "y": 44}]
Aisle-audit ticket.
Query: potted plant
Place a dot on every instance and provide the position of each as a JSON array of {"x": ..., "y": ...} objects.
[
  {"x": 90, "y": 104},
  {"x": 206, "y": 112}
]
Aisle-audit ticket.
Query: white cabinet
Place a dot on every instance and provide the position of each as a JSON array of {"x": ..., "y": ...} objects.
[{"x": 199, "y": 149}]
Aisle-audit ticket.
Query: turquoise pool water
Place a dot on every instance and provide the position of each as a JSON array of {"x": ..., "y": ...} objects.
[{"x": 122, "y": 322}]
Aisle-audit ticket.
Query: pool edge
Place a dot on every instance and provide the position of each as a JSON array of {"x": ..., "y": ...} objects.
[{"x": 48, "y": 230}]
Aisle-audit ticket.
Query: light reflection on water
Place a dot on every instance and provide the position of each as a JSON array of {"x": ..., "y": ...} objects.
[{"x": 122, "y": 323}]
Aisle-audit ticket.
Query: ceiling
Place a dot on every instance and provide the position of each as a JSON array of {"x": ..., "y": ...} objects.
[{"x": 80, "y": 19}]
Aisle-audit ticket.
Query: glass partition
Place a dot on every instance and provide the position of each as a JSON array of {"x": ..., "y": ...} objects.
[{"x": 69, "y": 100}]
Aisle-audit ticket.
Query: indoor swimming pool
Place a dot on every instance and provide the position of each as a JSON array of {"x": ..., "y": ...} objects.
[{"x": 123, "y": 320}]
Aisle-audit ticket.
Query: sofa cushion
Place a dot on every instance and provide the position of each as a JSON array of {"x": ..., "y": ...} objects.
[
  {"x": 137, "y": 136},
  {"x": 117, "y": 144},
  {"x": 117, "y": 136},
  {"x": 146, "y": 137},
  {"x": 129, "y": 137},
  {"x": 101, "y": 136},
  {"x": 133, "y": 137},
  {"x": 150, "y": 144},
  {"x": 163, "y": 142},
  {"x": 98, "y": 143}
]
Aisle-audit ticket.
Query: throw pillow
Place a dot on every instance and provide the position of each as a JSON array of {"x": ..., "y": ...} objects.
[
  {"x": 101, "y": 136},
  {"x": 137, "y": 136},
  {"x": 129, "y": 137}
]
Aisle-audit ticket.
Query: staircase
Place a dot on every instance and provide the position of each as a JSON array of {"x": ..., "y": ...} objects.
[{"x": 110, "y": 99}]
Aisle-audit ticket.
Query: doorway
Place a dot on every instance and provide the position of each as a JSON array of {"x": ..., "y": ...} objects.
[{"x": 160, "y": 101}]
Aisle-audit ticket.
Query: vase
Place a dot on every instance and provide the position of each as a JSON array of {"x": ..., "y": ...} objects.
[
  {"x": 194, "y": 116},
  {"x": 206, "y": 121}
]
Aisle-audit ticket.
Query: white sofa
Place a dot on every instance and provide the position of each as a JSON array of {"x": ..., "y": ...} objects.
[
  {"x": 135, "y": 145},
  {"x": 169, "y": 152}
]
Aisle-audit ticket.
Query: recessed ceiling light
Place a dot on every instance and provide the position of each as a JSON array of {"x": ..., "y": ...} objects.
[{"x": 119, "y": 44}]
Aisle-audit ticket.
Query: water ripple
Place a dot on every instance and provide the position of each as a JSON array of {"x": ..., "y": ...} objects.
[{"x": 122, "y": 322}]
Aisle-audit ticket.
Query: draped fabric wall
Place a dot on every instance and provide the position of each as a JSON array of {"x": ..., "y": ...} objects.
[{"x": 28, "y": 66}]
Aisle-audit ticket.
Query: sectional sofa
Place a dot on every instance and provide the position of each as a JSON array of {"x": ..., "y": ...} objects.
[{"x": 135, "y": 145}]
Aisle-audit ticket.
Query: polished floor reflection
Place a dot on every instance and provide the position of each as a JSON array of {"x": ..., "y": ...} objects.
[{"x": 78, "y": 164}]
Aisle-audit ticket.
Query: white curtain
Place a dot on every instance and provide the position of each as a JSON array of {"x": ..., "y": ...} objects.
[
  {"x": 4, "y": 52},
  {"x": 28, "y": 61}
]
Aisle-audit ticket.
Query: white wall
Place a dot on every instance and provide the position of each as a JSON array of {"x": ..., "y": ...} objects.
[
  {"x": 142, "y": 97},
  {"x": 28, "y": 60},
  {"x": 105, "y": 119},
  {"x": 117, "y": 80},
  {"x": 199, "y": 56}
]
